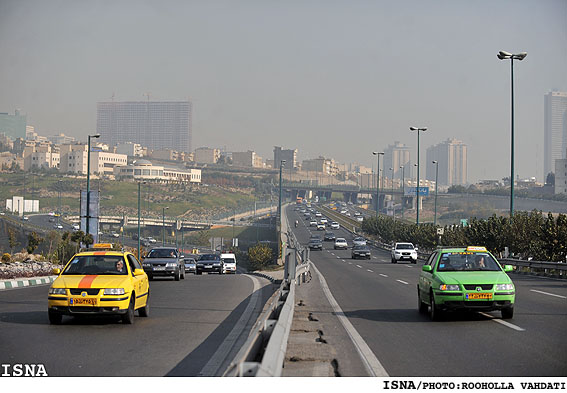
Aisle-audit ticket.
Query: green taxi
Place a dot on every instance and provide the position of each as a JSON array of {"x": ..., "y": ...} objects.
[{"x": 465, "y": 278}]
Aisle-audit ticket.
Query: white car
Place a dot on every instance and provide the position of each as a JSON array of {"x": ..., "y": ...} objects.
[
  {"x": 320, "y": 227},
  {"x": 324, "y": 220},
  {"x": 404, "y": 251},
  {"x": 343, "y": 211},
  {"x": 359, "y": 241},
  {"x": 317, "y": 214},
  {"x": 229, "y": 263},
  {"x": 356, "y": 214},
  {"x": 335, "y": 225},
  {"x": 151, "y": 240},
  {"x": 76, "y": 227},
  {"x": 359, "y": 218},
  {"x": 312, "y": 223},
  {"x": 340, "y": 243}
]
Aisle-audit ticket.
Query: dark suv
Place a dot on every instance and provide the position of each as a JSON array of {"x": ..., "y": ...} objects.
[
  {"x": 209, "y": 263},
  {"x": 164, "y": 262}
]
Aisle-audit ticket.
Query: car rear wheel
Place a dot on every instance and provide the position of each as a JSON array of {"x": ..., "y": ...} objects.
[
  {"x": 507, "y": 313},
  {"x": 434, "y": 311},
  {"x": 183, "y": 274},
  {"x": 128, "y": 318},
  {"x": 145, "y": 311},
  {"x": 177, "y": 275},
  {"x": 54, "y": 317}
]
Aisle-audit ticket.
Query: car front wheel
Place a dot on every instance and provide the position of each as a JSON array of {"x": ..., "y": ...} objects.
[
  {"x": 434, "y": 311},
  {"x": 128, "y": 318},
  {"x": 54, "y": 317},
  {"x": 507, "y": 313}
]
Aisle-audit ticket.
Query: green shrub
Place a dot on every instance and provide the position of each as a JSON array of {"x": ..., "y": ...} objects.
[
  {"x": 6, "y": 257},
  {"x": 260, "y": 256}
]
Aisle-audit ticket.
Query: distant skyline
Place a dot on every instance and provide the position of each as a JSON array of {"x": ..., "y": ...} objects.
[{"x": 334, "y": 78}]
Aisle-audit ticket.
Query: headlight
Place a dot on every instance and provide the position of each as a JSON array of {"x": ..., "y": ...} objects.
[
  {"x": 114, "y": 291},
  {"x": 450, "y": 287},
  {"x": 171, "y": 264},
  {"x": 57, "y": 291},
  {"x": 504, "y": 287}
]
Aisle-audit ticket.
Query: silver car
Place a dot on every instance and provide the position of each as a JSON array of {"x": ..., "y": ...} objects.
[{"x": 190, "y": 265}]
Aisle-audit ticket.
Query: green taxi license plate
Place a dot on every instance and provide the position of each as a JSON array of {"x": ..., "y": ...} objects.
[
  {"x": 478, "y": 296},
  {"x": 81, "y": 301}
]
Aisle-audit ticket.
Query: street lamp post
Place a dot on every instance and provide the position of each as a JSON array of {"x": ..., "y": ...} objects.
[
  {"x": 279, "y": 222},
  {"x": 436, "y": 177},
  {"x": 377, "y": 154},
  {"x": 393, "y": 205},
  {"x": 163, "y": 225},
  {"x": 139, "y": 187},
  {"x": 59, "y": 208},
  {"x": 403, "y": 188},
  {"x": 88, "y": 215},
  {"x": 502, "y": 55},
  {"x": 417, "y": 188}
]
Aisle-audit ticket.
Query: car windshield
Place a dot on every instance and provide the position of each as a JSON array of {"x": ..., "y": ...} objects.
[
  {"x": 404, "y": 247},
  {"x": 162, "y": 253},
  {"x": 467, "y": 261},
  {"x": 228, "y": 260},
  {"x": 97, "y": 265},
  {"x": 361, "y": 248},
  {"x": 340, "y": 240},
  {"x": 209, "y": 257}
]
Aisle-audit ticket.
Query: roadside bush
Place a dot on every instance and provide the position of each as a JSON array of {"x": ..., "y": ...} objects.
[
  {"x": 260, "y": 256},
  {"x": 6, "y": 257}
]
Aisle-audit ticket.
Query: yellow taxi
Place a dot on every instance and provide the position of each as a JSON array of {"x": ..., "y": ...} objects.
[{"x": 100, "y": 282}]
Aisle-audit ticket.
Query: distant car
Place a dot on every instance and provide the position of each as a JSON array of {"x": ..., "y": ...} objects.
[
  {"x": 58, "y": 226},
  {"x": 151, "y": 240},
  {"x": 359, "y": 218},
  {"x": 340, "y": 243},
  {"x": 307, "y": 214},
  {"x": 324, "y": 220},
  {"x": 114, "y": 234},
  {"x": 318, "y": 214},
  {"x": 190, "y": 265},
  {"x": 465, "y": 278},
  {"x": 25, "y": 218},
  {"x": 335, "y": 225},
  {"x": 361, "y": 252},
  {"x": 404, "y": 251},
  {"x": 313, "y": 223},
  {"x": 315, "y": 244},
  {"x": 347, "y": 214},
  {"x": 210, "y": 263},
  {"x": 359, "y": 241},
  {"x": 343, "y": 211},
  {"x": 99, "y": 282},
  {"x": 320, "y": 227},
  {"x": 229, "y": 263},
  {"x": 164, "y": 262},
  {"x": 329, "y": 236},
  {"x": 356, "y": 214},
  {"x": 76, "y": 227}
]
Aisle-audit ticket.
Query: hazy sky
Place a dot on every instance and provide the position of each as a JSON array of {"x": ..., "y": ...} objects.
[{"x": 332, "y": 78}]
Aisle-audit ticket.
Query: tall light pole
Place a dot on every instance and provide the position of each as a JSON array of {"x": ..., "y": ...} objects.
[
  {"x": 377, "y": 154},
  {"x": 393, "y": 206},
  {"x": 403, "y": 188},
  {"x": 139, "y": 234},
  {"x": 279, "y": 222},
  {"x": 163, "y": 225},
  {"x": 502, "y": 55},
  {"x": 89, "y": 180},
  {"x": 59, "y": 209},
  {"x": 436, "y": 177},
  {"x": 418, "y": 129}
]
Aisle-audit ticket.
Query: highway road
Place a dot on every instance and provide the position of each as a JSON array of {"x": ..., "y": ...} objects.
[
  {"x": 195, "y": 328},
  {"x": 380, "y": 300}
]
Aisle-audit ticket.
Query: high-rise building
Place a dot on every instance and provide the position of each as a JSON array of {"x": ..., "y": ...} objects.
[
  {"x": 555, "y": 130},
  {"x": 152, "y": 124},
  {"x": 14, "y": 125},
  {"x": 452, "y": 158},
  {"x": 396, "y": 155},
  {"x": 290, "y": 157}
]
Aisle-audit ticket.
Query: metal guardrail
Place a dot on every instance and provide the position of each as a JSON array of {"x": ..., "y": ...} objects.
[{"x": 263, "y": 353}]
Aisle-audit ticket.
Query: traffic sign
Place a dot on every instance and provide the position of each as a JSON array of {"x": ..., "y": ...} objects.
[{"x": 411, "y": 191}]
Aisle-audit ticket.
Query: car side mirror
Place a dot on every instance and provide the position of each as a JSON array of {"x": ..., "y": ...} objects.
[
  {"x": 508, "y": 268},
  {"x": 138, "y": 272},
  {"x": 427, "y": 268},
  {"x": 56, "y": 271},
  {"x": 416, "y": 249}
]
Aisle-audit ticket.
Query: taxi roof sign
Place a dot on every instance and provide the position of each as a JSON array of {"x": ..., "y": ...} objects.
[
  {"x": 476, "y": 248},
  {"x": 102, "y": 245}
]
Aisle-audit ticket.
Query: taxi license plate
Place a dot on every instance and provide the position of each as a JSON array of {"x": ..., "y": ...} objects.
[
  {"x": 478, "y": 296},
  {"x": 79, "y": 301}
]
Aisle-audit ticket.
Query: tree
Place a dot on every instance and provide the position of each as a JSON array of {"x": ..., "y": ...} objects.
[
  {"x": 550, "y": 179},
  {"x": 12, "y": 239},
  {"x": 34, "y": 241},
  {"x": 260, "y": 256}
]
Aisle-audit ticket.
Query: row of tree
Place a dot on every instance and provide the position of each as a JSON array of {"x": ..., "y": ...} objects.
[{"x": 527, "y": 234}]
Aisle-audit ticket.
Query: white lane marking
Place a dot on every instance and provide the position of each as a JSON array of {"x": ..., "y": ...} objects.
[
  {"x": 212, "y": 367},
  {"x": 403, "y": 282},
  {"x": 507, "y": 324},
  {"x": 338, "y": 257},
  {"x": 547, "y": 293},
  {"x": 350, "y": 263},
  {"x": 358, "y": 266},
  {"x": 368, "y": 270},
  {"x": 370, "y": 361},
  {"x": 332, "y": 253},
  {"x": 409, "y": 266},
  {"x": 383, "y": 275}
]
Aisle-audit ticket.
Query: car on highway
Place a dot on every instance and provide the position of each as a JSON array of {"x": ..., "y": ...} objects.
[
  {"x": 329, "y": 236},
  {"x": 318, "y": 214},
  {"x": 76, "y": 227},
  {"x": 99, "y": 281},
  {"x": 359, "y": 241},
  {"x": 151, "y": 240},
  {"x": 340, "y": 243},
  {"x": 465, "y": 279},
  {"x": 164, "y": 262},
  {"x": 324, "y": 220},
  {"x": 404, "y": 252},
  {"x": 320, "y": 227},
  {"x": 359, "y": 218},
  {"x": 190, "y": 265},
  {"x": 313, "y": 223},
  {"x": 343, "y": 211},
  {"x": 114, "y": 234},
  {"x": 335, "y": 225},
  {"x": 315, "y": 244},
  {"x": 229, "y": 263},
  {"x": 362, "y": 251},
  {"x": 58, "y": 226},
  {"x": 209, "y": 263}
]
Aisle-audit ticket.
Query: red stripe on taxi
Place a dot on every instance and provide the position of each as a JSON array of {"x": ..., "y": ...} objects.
[
  {"x": 87, "y": 281},
  {"x": 99, "y": 253}
]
